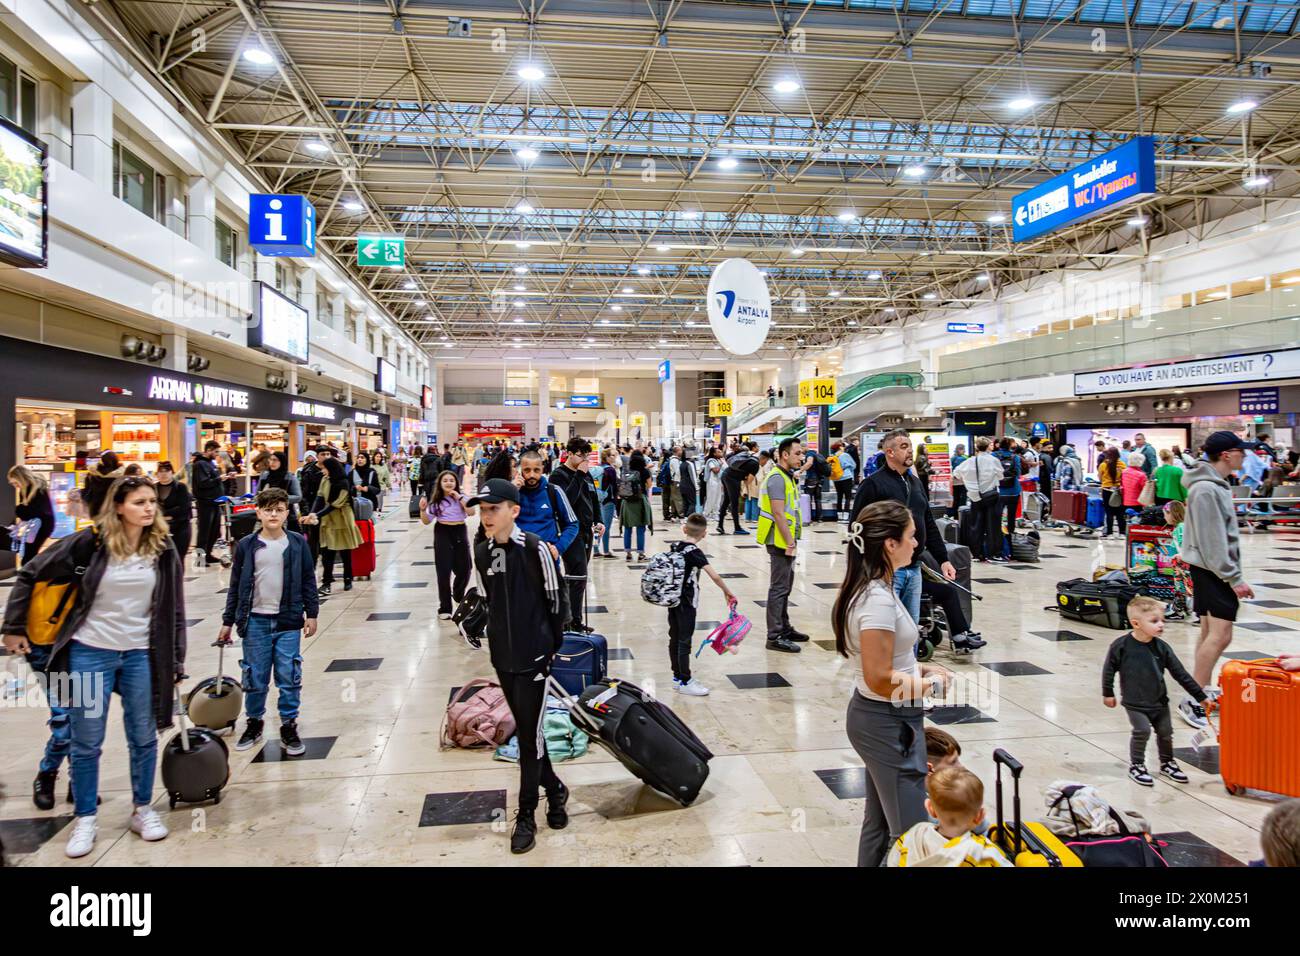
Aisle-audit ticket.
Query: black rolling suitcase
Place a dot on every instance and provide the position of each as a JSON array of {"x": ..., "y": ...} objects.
[
  {"x": 960, "y": 557},
  {"x": 1104, "y": 603},
  {"x": 968, "y": 526},
  {"x": 645, "y": 735},
  {"x": 950, "y": 529},
  {"x": 195, "y": 765}
]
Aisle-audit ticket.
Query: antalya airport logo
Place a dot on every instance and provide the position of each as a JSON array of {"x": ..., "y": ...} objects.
[{"x": 740, "y": 308}]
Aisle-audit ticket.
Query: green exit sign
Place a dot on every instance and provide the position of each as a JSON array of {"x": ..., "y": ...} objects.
[{"x": 381, "y": 251}]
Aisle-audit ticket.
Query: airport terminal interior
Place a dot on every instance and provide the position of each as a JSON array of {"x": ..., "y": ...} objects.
[{"x": 791, "y": 284}]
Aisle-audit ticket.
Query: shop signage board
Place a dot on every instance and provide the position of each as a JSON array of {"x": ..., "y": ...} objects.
[
  {"x": 618, "y": 424},
  {"x": 518, "y": 402},
  {"x": 385, "y": 377},
  {"x": 967, "y": 328},
  {"x": 367, "y": 418},
  {"x": 1122, "y": 175},
  {"x": 426, "y": 396},
  {"x": 179, "y": 391},
  {"x": 740, "y": 307},
  {"x": 1225, "y": 370},
  {"x": 1259, "y": 401},
  {"x": 381, "y": 251},
  {"x": 281, "y": 225},
  {"x": 490, "y": 428},
  {"x": 720, "y": 407},
  {"x": 817, "y": 391},
  {"x": 300, "y": 409},
  {"x": 584, "y": 401}
]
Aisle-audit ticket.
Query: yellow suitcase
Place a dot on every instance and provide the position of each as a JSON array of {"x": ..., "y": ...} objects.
[{"x": 1025, "y": 844}]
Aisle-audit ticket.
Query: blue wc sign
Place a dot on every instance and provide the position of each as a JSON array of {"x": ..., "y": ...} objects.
[{"x": 281, "y": 225}]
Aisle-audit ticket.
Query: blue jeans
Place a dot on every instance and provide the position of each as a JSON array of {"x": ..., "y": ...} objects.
[
  {"x": 640, "y": 538},
  {"x": 96, "y": 674},
  {"x": 607, "y": 512},
  {"x": 60, "y": 742},
  {"x": 907, "y": 585},
  {"x": 263, "y": 647},
  {"x": 751, "y": 509}
]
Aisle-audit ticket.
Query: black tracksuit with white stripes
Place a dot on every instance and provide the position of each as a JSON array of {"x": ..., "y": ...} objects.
[{"x": 527, "y": 609}]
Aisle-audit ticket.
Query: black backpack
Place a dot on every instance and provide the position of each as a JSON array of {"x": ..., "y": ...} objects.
[{"x": 1008, "y": 479}]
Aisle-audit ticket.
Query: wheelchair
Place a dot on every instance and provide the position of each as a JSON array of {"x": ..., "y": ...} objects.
[{"x": 934, "y": 629}]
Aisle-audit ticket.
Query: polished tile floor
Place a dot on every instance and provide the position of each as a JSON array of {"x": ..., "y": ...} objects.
[{"x": 784, "y": 788}]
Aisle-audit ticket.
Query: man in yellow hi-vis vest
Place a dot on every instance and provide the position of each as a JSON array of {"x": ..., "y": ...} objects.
[{"x": 779, "y": 529}]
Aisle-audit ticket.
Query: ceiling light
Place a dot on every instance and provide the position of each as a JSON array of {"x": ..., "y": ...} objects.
[
  {"x": 525, "y": 208},
  {"x": 421, "y": 303},
  {"x": 796, "y": 251},
  {"x": 643, "y": 271},
  {"x": 914, "y": 172},
  {"x": 833, "y": 293},
  {"x": 763, "y": 273},
  {"x": 982, "y": 277},
  {"x": 516, "y": 346},
  {"x": 521, "y": 244},
  {"x": 526, "y": 155},
  {"x": 786, "y": 85},
  {"x": 930, "y": 295},
  {"x": 255, "y": 54},
  {"x": 996, "y": 217},
  {"x": 604, "y": 321},
  {"x": 518, "y": 321},
  {"x": 890, "y": 309},
  {"x": 519, "y": 303},
  {"x": 690, "y": 214},
  {"x": 531, "y": 73},
  {"x": 443, "y": 337},
  {"x": 628, "y": 290},
  {"x": 1022, "y": 103},
  {"x": 1255, "y": 182},
  {"x": 408, "y": 284},
  {"x": 521, "y": 270},
  {"x": 517, "y": 339},
  {"x": 616, "y": 308},
  {"x": 848, "y": 215},
  {"x": 873, "y": 275},
  {"x": 853, "y": 321},
  {"x": 591, "y": 340},
  {"x": 690, "y": 324},
  {"x": 1241, "y": 106},
  {"x": 448, "y": 345},
  {"x": 663, "y": 341},
  {"x": 315, "y": 146},
  {"x": 664, "y": 248},
  {"x": 520, "y": 288},
  {"x": 728, "y": 162},
  {"x": 1137, "y": 221},
  {"x": 353, "y": 206}
]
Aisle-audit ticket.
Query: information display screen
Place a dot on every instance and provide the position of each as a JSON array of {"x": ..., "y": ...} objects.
[
  {"x": 279, "y": 325},
  {"x": 24, "y": 227}
]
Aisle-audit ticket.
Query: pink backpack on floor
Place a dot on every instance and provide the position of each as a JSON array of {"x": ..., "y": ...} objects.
[
  {"x": 478, "y": 716},
  {"x": 727, "y": 635}
]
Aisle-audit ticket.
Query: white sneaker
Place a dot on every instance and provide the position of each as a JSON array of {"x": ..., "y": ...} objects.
[
  {"x": 82, "y": 840},
  {"x": 1193, "y": 714},
  {"x": 146, "y": 822},
  {"x": 444, "y": 616},
  {"x": 691, "y": 688}
]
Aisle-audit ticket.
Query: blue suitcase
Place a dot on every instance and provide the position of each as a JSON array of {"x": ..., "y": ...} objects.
[
  {"x": 1096, "y": 513},
  {"x": 581, "y": 660}
]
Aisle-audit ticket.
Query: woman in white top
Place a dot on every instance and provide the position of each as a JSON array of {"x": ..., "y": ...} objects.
[
  {"x": 713, "y": 483},
  {"x": 885, "y": 719},
  {"x": 124, "y": 634}
]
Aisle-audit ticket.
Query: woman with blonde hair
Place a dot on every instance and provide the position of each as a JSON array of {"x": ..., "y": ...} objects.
[
  {"x": 125, "y": 633},
  {"x": 33, "y": 505}
]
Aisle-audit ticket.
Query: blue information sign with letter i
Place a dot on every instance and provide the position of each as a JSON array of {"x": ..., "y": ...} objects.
[
  {"x": 281, "y": 225},
  {"x": 1120, "y": 176}
]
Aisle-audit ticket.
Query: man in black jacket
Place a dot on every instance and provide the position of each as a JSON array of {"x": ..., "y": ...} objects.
[
  {"x": 573, "y": 478},
  {"x": 894, "y": 482},
  {"x": 740, "y": 466},
  {"x": 526, "y": 611},
  {"x": 207, "y": 489},
  {"x": 431, "y": 465}
]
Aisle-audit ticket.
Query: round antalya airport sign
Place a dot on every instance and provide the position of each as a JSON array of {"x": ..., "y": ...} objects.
[{"x": 740, "y": 309}]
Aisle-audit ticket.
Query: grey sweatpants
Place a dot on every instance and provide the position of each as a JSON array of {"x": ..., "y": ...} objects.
[
  {"x": 779, "y": 586},
  {"x": 1144, "y": 721},
  {"x": 891, "y": 742}
]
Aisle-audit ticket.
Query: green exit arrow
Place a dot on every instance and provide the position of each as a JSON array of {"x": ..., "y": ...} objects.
[{"x": 381, "y": 251}]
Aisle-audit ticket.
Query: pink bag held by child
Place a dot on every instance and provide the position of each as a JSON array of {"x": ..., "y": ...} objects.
[
  {"x": 727, "y": 635},
  {"x": 478, "y": 716}
]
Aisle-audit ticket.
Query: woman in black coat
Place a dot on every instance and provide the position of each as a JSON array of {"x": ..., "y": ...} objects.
[
  {"x": 176, "y": 502},
  {"x": 33, "y": 504}
]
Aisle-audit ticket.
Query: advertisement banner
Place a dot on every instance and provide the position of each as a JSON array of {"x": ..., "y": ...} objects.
[
  {"x": 1258, "y": 401},
  {"x": 1085, "y": 438},
  {"x": 1224, "y": 370},
  {"x": 938, "y": 452},
  {"x": 812, "y": 421}
]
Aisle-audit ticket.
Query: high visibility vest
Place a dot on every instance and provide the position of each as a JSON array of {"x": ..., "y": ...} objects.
[{"x": 768, "y": 530}]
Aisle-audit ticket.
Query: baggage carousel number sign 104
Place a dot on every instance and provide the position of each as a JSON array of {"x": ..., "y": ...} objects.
[{"x": 817, "y": 391}]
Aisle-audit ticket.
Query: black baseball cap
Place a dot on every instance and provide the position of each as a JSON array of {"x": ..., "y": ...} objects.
[
  {"x": 494, "y": 492},
  {"x": 1219, "y": 442}
]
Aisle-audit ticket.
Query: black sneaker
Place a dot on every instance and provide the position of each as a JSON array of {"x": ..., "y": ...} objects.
[
  {"x": 252, "y": 734},
  {"x": 1173, "y": 772},
  {"x": 969, "y": 641},
  {"x": 43, "y": 789},
  {"x": 1138, "y": 774},
  {"x": 793, "y": 635},
  {"x": 347, "y": 585},
  {"x": 783, "y": 644},
  {"x": 524, "y": 836},
  {"x": 323, "y": 590},
  {"x": 289, "y": 739},
  {"x": 557, "y": 818}
]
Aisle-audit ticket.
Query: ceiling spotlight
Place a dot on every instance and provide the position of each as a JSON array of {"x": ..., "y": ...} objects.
[
  {"x": 1022, "y": 103},
  {"x": 521, "y": 270},
  {"x": 787, "y": 85},
  {"x": 255, "y": 54},
  {"x": 531, "y": 73},
  {"x": 516, "y": 339},
  {"x": 833, "y": 293},
  {"x": 525, "y": 208},
  {"x": 628, "y": 290},
  {"x": 616, "y": 308},
  {"x": 690, "y": 214},
  {"x": 996, "y": 218},
  {"x": 353, "y": 206},
  {"x": 643, "y": 271},
  {"x": 890, "y": 309},
  {"x": 1242, "y": 106},
  {"x": 853, "y": 322},
  {"x": 604, "y": 321},
  {"x": 982, "y": 277},
  {"x": 526, "y": 155},
  {"x": 1137, "y": 221},
  {"x": 521, "y": 244},
  {"x": 408, "y": 284},
  {"x": 663, "y": 341},
  {"x": 1256, "y": 182},
  {"x": 421, "y": 303},
  {"x": 519, "y": 303},
  {"x": 848, "y": 215},
  {"x": 520, "y": 288},
  {"x": 728, "y": 162},
  {"x": 914, "y": 172},
  {"x": 796, "y": 251},
  {"x": 873, "y": 275},
  {"x": 930, "y": 295},
  {"x": 315, "y": 146},
  {"x": 662, "y": 248}
]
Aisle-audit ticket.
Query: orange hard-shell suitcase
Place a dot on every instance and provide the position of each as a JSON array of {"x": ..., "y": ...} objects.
[{"x": 1259, "y": 723}]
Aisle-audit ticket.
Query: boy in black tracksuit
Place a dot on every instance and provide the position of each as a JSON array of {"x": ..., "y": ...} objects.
[
  {"x": 1141, "y": 658},
  {"x": 526, "y": 611},
  {"x": 681, "y": 619}
]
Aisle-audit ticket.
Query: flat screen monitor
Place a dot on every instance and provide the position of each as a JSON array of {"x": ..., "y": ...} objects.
[
  {"x": 278, "y": 325},
  {"x": 24, "y": 222},
  {"x": 386, "y": 378}
]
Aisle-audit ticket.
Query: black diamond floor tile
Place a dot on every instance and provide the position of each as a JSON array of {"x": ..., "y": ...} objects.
[
  {"x": 1206, "y": 760},
  {"x": 1041, "y": 555},
  {"x": 341, "y": 664},
  {"x": 1281, "y": 570},
  {"x": 469, "y": 806},
  {"x": 318, "y": 748},
  {"x": 963, "y": 714},
  {"x": 1021, "y": 567},
  {"x": 826, "y": 646},
  {"x": 1187, "y": 849},
  {"x": 1247, "y": 655},
  {"x": 734, "y": 574},
  {"x": 1262, "y": 627},
  {"x": 29, "y": 834},
  {"x": 1060, "y": 636},
  {"x": 827, "y": 585},
  {"x": 749, "y": 547},
  {"x": 826, "y": 552},
  {"x": 847, "y": 783},
  {"x": 706, "y": 625},
  {"x": 990, "y": 580},
  {"x": 763, "y": 604},
  {"x": 410, "y": 584},
  {"x": 756, "y": 681},
  {"x": 1015, "y": 668},
  {"x": 620, "y": 654},
  {"x": 194, "y": 622},
  {"x": 1270, "y": 603},
  {"x": 388, "y": 616},
  {"x": 1277, "y": 585},
  {"x": 423, "y": 564}
]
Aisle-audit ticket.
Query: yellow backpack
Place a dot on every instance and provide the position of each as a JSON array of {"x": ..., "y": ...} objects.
[
  {"x": 837, "y": 470},
  {"x": 52, "y": 601}
]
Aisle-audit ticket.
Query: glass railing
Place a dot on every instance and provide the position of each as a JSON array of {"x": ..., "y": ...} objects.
[
  {"x": 484, "y": 396},
  {"x": 1265, "y": 320},
  {"x": 859, "y": 389},
  {"x": 753, "y": 410}
]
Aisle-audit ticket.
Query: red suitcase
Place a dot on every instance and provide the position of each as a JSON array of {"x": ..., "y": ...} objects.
[
  {"x": 1259, "y": 721},
  {"x": 1070, "y": 507},
  {"x": 363, "y": 555}
]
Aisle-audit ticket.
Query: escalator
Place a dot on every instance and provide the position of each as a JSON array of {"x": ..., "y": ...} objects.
[{"x": 868, "y": 398}]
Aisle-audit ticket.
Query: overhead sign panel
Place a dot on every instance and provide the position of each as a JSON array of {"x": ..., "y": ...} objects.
[
  {"x": 1120, "y": 176},
  {"x": 817, "y": 391},
  {"x": 720, "y": 407},
  {"x": 281, "y": 225},
  {"x": 967, "y": 328},
  {"x": 381, "y": 251},
  {"x": 1227, "y": 370},
  {"x": 740, "y": 308}
]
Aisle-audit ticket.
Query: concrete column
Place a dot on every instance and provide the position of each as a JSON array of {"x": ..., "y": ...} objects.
[
  {"x": 670, "y": 424},
  {"x": 292, "y": 376},
  {"x": 51, "y": 121},
  {"x": 174, "y": 212},
  {"x": 177, "y": 344},
  {"x": 203, "y": 214},
  {"x": 543, "y": 400},
  {"x": 309, "y": 293},
  {"x": 264, "y": 269},
  {"x": 92, "y": 134},
  {"x": 338, "y": 313}
]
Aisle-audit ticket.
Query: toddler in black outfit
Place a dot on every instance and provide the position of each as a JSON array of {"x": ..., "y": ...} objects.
[
  {"x": 1141, "y": 658},
  {"x": 681, "y": 619}
]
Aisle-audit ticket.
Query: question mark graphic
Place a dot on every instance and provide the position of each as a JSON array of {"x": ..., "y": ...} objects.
[{"x": 1268, "y": 361}]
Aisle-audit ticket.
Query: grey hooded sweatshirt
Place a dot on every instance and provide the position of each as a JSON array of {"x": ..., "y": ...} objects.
[{"x": 1210, "y": 538}]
